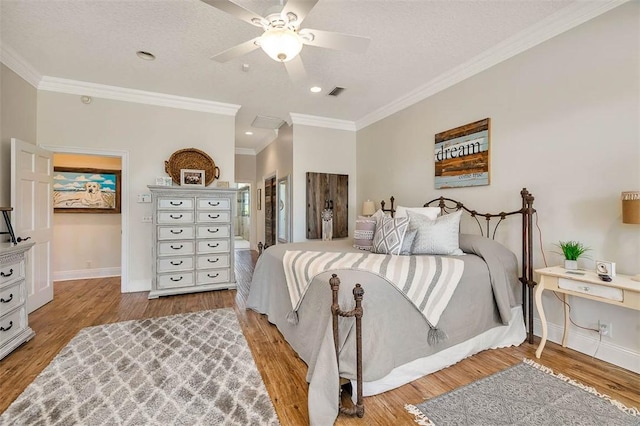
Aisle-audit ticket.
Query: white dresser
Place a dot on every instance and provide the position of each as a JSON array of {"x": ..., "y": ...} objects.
[
  {"x": 192, "y": 239},
  {"x": 14, "y": 320}
]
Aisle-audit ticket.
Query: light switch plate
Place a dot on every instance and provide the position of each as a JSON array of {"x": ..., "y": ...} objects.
[{"x": 144, "y": 198}]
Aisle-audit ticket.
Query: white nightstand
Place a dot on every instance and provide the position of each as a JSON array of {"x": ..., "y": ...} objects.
[{"x": 621, "y": 291}]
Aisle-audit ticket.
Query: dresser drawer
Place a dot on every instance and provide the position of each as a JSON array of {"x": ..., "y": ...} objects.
[
  {"x": 593, "y": 289},
  {"x": 183, "y": 279},
  {"x": 175, "y": 217},
  {"x": 214, "y": 204},
  {"x": 214, "y": 217},
  {"x": 175, "y": 232},
  {"x": 176, "y": 248},
  {"x": 11, "y": 272},
  {"x": 175, "y": 203},
  {"x": 213, "y": 246},
  {"x": 212, "y": 276},
  {"x": 213, "y": 231},
  {"x": 173, "y": 264},
  {"x": 213, "y": 261},
  {"x": 12, "y": 324},
  {"x": 12, "y": 297}
]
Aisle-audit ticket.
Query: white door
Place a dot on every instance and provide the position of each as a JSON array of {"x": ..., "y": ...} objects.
[{"x": 31, "y": 199}]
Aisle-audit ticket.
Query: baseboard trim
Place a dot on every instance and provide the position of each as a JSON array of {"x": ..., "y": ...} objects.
[
  {"x": 86, "y": 274},
  {"x": 137, "y": 286},
  {"x": 587, "y": 344}
]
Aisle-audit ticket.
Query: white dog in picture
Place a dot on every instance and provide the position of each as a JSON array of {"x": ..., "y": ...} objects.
[{"x": 93, "y": 196}]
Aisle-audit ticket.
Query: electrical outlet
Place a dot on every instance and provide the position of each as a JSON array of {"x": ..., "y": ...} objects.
[
  {"x": 147, "y": 219},
  {"x": 605, "y": 328}
]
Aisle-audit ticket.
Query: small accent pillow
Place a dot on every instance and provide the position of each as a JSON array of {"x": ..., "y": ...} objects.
[
  {"x": 430, "y": 212},
  {"x": 378, "y": 216},
  {"x": 440, "y": 236},
  {"x": 389, "y": 235},
  {"x": 363, "y": 235}
]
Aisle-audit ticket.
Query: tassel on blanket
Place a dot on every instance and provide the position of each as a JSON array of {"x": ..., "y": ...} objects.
[
  {"x": 435, "y": 335},
  {"x": 292, "y": 318}
]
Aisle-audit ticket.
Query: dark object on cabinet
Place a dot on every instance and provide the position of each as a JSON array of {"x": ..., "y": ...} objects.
[{"x": 327, "y": 190}]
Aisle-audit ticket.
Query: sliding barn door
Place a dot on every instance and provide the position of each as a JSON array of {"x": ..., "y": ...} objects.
[
  {"x": 327, "y": 190},
  {"x": 270, "y": 201}
]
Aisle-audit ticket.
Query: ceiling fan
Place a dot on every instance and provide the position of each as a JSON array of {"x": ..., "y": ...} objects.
[{"x": 283, "y": 38}]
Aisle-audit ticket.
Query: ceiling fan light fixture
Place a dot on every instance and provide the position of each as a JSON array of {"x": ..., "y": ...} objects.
[{"x": 281, "y": 44}]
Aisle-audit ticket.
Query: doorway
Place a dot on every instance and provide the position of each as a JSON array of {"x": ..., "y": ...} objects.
[
  {"x": 121, "y": 237},
  {"x": 243, "y": 218}
]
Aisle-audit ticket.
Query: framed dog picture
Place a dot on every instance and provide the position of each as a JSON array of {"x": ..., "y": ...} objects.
[
  {"x": 78, "y": 190},
  {"x": 191, "y": 177}
]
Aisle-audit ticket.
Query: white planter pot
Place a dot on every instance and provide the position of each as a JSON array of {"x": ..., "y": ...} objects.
[{"x": 570, "y": 264}]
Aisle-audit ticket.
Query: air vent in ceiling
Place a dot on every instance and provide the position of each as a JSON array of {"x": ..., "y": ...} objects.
[
  {"x": 264, "y": 122},
  {"x": 336, "y": 91}
]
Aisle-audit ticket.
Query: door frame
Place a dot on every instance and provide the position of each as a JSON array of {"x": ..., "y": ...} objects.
[{"x": 124, "y": 195}]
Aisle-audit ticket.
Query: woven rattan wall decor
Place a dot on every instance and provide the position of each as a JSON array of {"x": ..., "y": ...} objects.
[{"x": 191, "y": 158}]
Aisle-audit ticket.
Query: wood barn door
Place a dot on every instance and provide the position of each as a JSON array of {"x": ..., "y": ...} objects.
[
  {"x": 332, "y": 191},
  {"x": 270, "y": 218}
]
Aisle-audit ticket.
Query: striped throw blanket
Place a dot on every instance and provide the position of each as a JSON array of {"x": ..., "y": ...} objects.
[{"x": 427, "y": 281}]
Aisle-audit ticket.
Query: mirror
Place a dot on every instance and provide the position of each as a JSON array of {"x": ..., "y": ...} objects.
[{"x": 284, "y": 209}]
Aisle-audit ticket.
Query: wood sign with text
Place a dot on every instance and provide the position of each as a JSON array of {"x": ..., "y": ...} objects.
[{"x": 462, "y": 156}]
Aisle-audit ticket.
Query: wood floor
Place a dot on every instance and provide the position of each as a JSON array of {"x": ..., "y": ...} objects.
[{"x": 84, "y": 303}]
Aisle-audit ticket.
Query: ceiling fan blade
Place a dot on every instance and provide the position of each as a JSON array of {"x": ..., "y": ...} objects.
[
  {"x": 239, "y": 50},
  {"x": 295, "y": 69},
  {"x": 299, "y": 7},
  {"x": 237, "y": 11},
  {"x": 336, "y": 41}
]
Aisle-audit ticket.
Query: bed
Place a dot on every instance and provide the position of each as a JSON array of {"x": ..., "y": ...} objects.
[{"x": 485, "y": 310}]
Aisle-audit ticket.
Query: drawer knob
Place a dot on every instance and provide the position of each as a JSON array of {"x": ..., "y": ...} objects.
[
  {"x": 213, "y": 245},
  {"x": 214, "y": 217},
  {"x": 7, "y": 300},
  {"x": 212, "y": 231},
  {"x": 217, "y": 203},
  {"x": 213, "y": 276},
  {"x": 2, "y": 274},
  {"x": 173, "y": 231},
  {"x": 176, "y": 279},
  {"x": 213, "y": 261},
  {"x": 173, "y": 203},
  {"x": 176, "y": 263},
  {"x": 8, "y": 328},
  {"x": 178, "y": 216},
  {"x": 177, "y": 248},
  {"x": 585, "y": 288}
]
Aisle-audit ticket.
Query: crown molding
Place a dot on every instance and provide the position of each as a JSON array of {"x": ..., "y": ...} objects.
[
  {"x": 565, "y": 19},
  {"x": 329, "y": 123},
  {"x": 17, "y": 64},
  {"x": 74, "y": 87},
  {"x": 245, "y": 151}
]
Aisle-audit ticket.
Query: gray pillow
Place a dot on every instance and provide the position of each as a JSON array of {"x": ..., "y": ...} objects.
[
  {"x": 389, "y": 236},
  {"x": 440, "y": 236}
]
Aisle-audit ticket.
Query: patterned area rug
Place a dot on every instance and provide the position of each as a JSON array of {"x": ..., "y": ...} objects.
[
  {"x": 186, "y": 369},
  {"x": 525, "y": 394}
]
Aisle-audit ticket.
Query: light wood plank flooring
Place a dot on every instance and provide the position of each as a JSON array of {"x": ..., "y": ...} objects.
[{"x": 84, "y": 303}]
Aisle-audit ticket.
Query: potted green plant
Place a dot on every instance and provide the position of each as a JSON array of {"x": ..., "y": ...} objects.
[{"x": 572, "y": 250}]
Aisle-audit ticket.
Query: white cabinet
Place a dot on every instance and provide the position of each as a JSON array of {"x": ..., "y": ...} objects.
[
  {"x": 14, "y": 321},
  {"x": 192, "y": 239}
]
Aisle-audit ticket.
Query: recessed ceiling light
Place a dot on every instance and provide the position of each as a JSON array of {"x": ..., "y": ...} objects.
[
  {"x": 145, "y": 55},
  {"x": 248, "y": 133},
  {"x": 316, "y": 89}
]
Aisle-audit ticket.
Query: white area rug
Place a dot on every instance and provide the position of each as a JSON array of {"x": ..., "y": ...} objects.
[{"x": 190, "y": 369}]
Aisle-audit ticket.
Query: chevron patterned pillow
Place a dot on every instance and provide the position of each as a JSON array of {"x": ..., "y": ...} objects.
[{"x": 389, "y": 235}]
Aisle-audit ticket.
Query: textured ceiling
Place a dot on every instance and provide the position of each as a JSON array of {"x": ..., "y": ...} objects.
[{"x": 412, "y": 43}]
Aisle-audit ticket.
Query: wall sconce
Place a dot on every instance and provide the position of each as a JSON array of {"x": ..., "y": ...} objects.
[
  {"x": 368, "y": 208},
  {"x": 631, "y": 207},
  {"x": 631, "y": 212}
]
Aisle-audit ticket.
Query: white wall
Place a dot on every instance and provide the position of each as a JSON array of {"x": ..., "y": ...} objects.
[
  {"x": 276, "y": 159},
  {"x": 565, "y": 124},
  {"x": 18, "y": 112},
  {"x": 323, "y": 150},
  {"x": 150, "y": 134}
]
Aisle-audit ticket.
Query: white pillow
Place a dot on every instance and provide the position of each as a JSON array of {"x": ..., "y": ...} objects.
[
  {"x": 440, "y": 236},
  {"x": 430, "y": 212}
]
